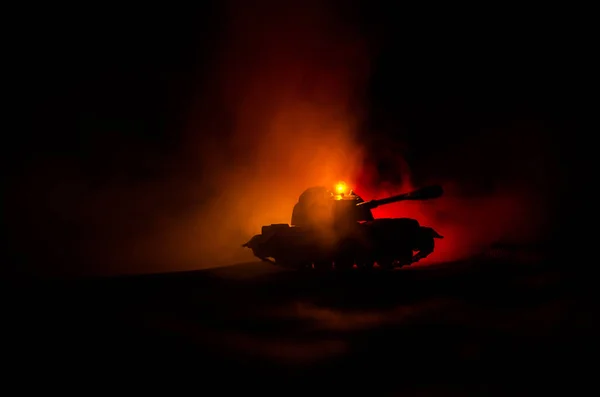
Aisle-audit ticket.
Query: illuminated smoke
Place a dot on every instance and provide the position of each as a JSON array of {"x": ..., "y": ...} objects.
[
  {"x": 279, "y": 112},
  {"x": 499, "y": 191},
  {"x": 291, "y": 80}
]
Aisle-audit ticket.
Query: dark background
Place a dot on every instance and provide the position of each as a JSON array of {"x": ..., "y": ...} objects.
[
  {"x": 106, "y": 95},
  {"x": 156, "y": 138}
]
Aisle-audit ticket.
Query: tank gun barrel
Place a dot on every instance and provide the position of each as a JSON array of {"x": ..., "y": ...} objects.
[{"x": 426, "y": 193}]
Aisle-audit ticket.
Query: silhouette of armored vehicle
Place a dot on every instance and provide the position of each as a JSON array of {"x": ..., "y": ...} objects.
[{"x": 337, "y": 230}]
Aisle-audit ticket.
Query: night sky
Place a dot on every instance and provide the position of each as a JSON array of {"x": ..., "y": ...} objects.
[{"x": 157, "y": 139}]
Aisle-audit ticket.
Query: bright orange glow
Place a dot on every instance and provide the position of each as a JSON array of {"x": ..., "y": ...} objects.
[{"x": 341, "y": 188}]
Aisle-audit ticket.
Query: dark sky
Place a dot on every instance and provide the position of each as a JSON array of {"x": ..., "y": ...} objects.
[{"x": 127, "y": 117}]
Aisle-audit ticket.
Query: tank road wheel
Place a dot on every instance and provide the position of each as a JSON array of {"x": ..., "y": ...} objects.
[
  {"x": 292, "y": 263},
  {"x": 385, "y": 263},
  {"x": 405, "y": 259},
  {"x": 281, "y": 262},
  {"x": 346, "y": 252},
  {"x": 365, "y": 264},
  {"x": 298, "y": 265},
  {"x": 322, "y": 265},
  {"x": 344, "y": 263},
  {"x": 364, "y": 261},
  {"x": 304, "y": 265}
]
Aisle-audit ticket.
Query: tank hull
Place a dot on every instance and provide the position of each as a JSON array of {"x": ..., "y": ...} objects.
[{"x": 389, "y": 243}]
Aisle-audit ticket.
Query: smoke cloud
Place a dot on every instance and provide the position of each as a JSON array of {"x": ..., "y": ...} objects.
[
  {"x": 498, "y": 190},
  {"x": 292, "y": 79},
  {"x": 278, "y": 112},
  {"x": 281, "y": 111}
]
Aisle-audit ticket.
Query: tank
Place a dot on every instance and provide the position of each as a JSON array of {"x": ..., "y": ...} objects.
[{"x": 337, "y": 230}]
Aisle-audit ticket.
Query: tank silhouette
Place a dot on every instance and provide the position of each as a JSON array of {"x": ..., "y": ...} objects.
[{"x": 338, "y": 230}]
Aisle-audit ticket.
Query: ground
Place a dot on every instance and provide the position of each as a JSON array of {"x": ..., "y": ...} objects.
[{"x": 486, "y": 326}]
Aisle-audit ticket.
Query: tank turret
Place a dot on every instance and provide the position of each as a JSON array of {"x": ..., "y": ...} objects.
[{"x": 318, "y": 206}]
